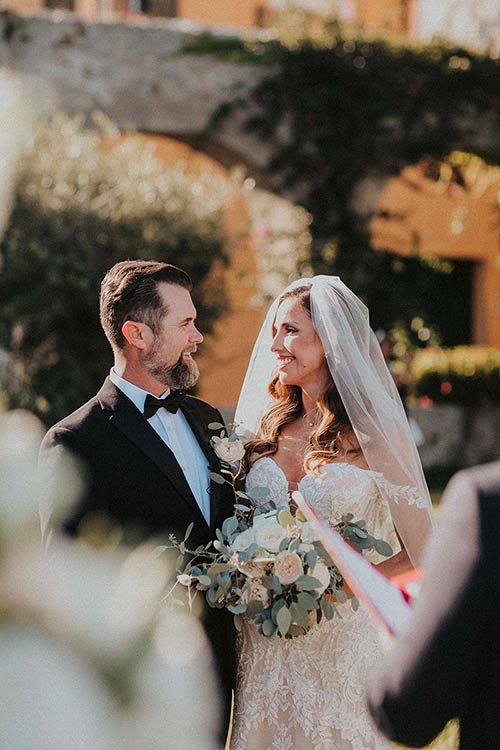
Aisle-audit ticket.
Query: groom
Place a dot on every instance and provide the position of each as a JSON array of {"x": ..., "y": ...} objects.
[{"x": 143, "y": 445}]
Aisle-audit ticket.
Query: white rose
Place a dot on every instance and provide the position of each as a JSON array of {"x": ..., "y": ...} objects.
[
  {"x": 264, "y": 519},
  {"x": 243, "y": 540},
  {"x": 321, "y": 572},
  {"x": 288, "y": 567},
  {"x": 229, "y": 450},
  {"x": 309, "y": 533},
  {"x": 258, "y": 593},
  {"x": 270, "y": 536}
]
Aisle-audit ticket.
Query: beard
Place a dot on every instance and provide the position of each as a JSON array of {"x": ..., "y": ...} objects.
[{"x": 179, "y": 376}]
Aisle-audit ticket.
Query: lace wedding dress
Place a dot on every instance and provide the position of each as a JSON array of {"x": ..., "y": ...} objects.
[{"x": 307, "y": 693}]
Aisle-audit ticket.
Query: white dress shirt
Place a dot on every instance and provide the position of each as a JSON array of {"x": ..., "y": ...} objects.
[{"x": 176, "y": 433}]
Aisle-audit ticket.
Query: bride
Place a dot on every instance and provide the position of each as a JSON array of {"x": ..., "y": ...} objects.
[{"x": 325, "y": 417}]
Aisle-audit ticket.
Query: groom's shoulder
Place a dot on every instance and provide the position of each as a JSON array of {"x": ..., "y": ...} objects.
[
  {"x": 202, "y": 407},
  {"x": 82, "y": 419}
]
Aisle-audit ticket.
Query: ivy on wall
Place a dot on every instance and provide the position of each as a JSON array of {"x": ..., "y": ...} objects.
[{"x": 337, "y": 111}]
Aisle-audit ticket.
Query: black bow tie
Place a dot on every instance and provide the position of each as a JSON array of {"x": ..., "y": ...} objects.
[{"x": 171, "y": 403}]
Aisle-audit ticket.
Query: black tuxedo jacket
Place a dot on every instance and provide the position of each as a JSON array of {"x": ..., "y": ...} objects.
[
  {"x": 134, "y": 479},
  {"x": 446, "y": 664}
]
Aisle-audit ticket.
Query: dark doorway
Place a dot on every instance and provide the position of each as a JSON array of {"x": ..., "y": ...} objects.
[{"x": 438, "y": 291}]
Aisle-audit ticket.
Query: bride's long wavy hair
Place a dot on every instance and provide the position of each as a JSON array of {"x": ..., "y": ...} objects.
[{"x": 325, "y": 441}]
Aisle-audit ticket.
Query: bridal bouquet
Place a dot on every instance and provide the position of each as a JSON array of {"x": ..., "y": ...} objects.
[{"x": 268, "y": 565}]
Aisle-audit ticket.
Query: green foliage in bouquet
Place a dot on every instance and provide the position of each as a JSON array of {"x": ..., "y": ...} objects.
[
  {"x": 79, "y": 208},
  {"x": 466, "y": 375},
  {"x": 270, "y": 567}
]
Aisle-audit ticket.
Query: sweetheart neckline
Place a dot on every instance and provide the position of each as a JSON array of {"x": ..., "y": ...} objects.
[{"x": 332, "y": 463}]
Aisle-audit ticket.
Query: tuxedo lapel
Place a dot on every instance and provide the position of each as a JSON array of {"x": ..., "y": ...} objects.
[
  {"x": 126, "y": 417},
  {"x": 203, "y": 435}
]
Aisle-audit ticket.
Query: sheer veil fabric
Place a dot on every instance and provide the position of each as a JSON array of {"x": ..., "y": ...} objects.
[{"x": 370, "y": 397}]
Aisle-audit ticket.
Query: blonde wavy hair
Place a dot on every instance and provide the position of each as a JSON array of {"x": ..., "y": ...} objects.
[{"x": 325, "y": 441}]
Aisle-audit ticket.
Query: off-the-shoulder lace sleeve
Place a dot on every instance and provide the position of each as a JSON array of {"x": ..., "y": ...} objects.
[
  {"x": 398, "y": 494},
  {"x": 411, "y": 513}
]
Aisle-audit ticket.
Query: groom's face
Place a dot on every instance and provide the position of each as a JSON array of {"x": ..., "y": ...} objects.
[{"x": 169, "y": 358}]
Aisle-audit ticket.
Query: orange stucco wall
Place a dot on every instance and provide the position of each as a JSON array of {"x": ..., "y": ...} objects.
[
  {"x": 393, "y": 15},
  {"x": 223, "y": 12},
  {"x": 223, "y": 356}
]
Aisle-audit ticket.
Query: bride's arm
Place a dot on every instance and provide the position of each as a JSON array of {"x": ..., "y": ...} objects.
[{"x": 396, "y": 565}]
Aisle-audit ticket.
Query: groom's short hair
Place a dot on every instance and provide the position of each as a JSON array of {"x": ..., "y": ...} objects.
[{"x": 129, "y": 291}]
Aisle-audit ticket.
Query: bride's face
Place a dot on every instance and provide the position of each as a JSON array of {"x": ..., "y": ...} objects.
[{"x": 298, "y": 348}]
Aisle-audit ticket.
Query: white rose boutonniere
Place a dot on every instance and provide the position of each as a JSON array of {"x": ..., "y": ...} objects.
[{"x": 227, "y": 449}]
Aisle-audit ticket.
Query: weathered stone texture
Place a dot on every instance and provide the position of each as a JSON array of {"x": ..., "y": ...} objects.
[{"x": 137, "y": 74}]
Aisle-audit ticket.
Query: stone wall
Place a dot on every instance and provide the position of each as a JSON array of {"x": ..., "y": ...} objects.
[
  {"x": 140, "y": 75},
  {"x": 456, "y": 436}
]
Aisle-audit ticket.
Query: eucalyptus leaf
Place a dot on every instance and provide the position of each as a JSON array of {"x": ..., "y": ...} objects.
[
  {"x": 211, "y": 595},
  {"x": 286, "y": 519},
  {"x": 328, "y": 608},
  {"x": 278, "y": 604},
  {"x": 299, "y": 614},
  {"x": 308, "y": 583},
  {"x": 237, "y": 609},
  {"x": 254, "y": 608},
  {"x": 188, "y": 531},
  {"x": 361, "y": 533},
  {"x": 268, "y": 628},
  {"x": 230, "y": 525},
  {"x": 215, "y": 426},
  {"x": 216, "y": 568},
  {"x": 244, "y": 508},
  {"x": 283, "y": 620},
  {"x": 284, "y": 544},
  {"x": 216, "y": 478},
  {"x": 383, "y": 548},
  {"x": 340, "y": 596},
  {"x": 312, "y": 559},
  {"x": 205, "y": 580},
  {"x": 355, "y": 604},
  {"x": 277, "y": 585},
  {"x": 237, "y": 623},
  {"x": 307, "y": 601}
]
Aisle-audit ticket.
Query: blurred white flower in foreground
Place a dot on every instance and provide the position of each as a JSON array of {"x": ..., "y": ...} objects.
[
  {"x": 17, "y": 119},
  {"x": 88, "y": 661}
]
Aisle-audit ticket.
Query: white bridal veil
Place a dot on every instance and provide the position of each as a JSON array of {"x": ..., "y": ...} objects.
[{"x": 369, "y": 395}]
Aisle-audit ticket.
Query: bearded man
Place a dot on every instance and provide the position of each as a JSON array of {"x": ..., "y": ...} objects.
[{"x": 143, "y": 445}]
